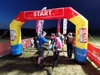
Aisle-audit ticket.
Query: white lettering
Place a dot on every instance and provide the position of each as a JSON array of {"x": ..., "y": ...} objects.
[
  {"x": 38, "y": 12},
  {"x": 50, "y": 12},
  {"x": 81, "y": 54},
  {"x": 42, "y": 13},
  {"x": 46, "y": 13},
  {"x": 34, "y": 13},
  {"x": 14, "y": 49},
  {"x": 96, "y": 55}
]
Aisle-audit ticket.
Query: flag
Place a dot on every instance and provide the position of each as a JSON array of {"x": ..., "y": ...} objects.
[
  {"x": 64, "y": 26},
  {"x": 58, "y": 26},
  {"x": 39, "y": 24}
]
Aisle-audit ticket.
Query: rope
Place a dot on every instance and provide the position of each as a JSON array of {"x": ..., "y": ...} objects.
[
  {"x": 92, "y": 38},
  {"x": 3, "y": 34},
  {"x": 23, "y": 35}
]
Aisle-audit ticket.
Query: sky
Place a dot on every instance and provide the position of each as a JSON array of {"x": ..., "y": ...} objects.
[{"x": 9, "y": 9}]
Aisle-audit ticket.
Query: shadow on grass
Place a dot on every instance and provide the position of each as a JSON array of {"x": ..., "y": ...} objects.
[
  {"x": 28, "y": 65},
  {"x": 90, "y": 69}
]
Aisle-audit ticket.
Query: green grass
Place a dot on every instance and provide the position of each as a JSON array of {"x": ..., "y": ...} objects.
[
  {"x": 6, "y": 39},
  {"x": 95, "y": 40}
]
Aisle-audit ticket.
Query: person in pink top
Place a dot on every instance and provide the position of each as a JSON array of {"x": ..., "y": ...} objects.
[
  {"x": 52, "y": 44},
  {"x": 57, "y": 49},
  {"x": 58, "y": 43},
  {"x": 52, "y": 37}
]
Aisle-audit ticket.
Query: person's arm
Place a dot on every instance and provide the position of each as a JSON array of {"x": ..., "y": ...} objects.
[{"x": 45, "y": 40}]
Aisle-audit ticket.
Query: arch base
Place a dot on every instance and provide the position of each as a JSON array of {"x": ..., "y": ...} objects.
[{"x": 80, "y": 55}]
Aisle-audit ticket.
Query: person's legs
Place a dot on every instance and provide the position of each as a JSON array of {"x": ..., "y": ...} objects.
[
  {"x": 56, "y": 58},
  {"x": 38, "y": 63},
  {"x": 40, "y": 58},
  {"x": 68, "y": 50}
]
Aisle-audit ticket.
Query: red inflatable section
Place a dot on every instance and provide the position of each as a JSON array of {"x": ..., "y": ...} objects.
[
  {"x": 49, "y": 14},
  {"x": 94, "y": 54}
]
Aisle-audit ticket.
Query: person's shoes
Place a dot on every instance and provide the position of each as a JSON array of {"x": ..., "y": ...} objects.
[
  {"x": 42, "y": 62},
  {"x": 56, "y": 64},
  {"x": 69, "y": 57},
  {"x": 38, "y": 68}
]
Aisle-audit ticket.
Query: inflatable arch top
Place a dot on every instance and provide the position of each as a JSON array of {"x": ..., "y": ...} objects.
[{"x": 69, "y": 13}]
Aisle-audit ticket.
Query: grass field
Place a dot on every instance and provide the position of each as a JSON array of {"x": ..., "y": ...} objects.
[
  {"x": 26, "y": 63},
  {"x": 95, "y": 40}
]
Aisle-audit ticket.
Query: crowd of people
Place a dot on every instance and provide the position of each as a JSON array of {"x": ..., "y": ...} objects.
[{"x": 56, "y": 44}]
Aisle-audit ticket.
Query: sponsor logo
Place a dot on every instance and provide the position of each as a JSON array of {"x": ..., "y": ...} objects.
[{"x": 83, "y": 35}]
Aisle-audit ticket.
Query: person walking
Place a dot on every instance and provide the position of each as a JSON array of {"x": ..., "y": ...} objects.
[
  {"x": 57, "y": 50},
  {"x": 42, "y": 40}
]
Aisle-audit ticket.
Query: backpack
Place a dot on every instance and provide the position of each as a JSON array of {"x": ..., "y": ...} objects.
[
  {"x": 36, "y": 41},
  {"x": 62, "y": 37}
]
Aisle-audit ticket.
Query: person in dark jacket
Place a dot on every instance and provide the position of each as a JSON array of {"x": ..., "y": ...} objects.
[{"x": 69, "y": 43}]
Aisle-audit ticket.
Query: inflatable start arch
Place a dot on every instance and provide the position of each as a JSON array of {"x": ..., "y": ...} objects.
[{"x": 69, "y": 13}]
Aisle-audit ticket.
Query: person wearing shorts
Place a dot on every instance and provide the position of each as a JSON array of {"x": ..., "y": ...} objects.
[
  {"x": 41, "y": 51},
  {"x": 42, "y": 40}
]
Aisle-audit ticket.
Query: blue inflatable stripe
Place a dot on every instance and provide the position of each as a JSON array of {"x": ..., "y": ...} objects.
[
  {"x": 80, "y": 54},
  {"x": 16, "y": 49}
]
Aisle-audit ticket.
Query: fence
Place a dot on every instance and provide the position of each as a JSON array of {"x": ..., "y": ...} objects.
[
  {"x": 93, "y": 53},
  {"x": 5, "y": 47}
]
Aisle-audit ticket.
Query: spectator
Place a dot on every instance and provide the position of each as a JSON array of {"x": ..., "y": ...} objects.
[{"x": 69, "y": 43}]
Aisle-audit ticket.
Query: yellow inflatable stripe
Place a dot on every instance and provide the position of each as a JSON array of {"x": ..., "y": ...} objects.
[
  {"x": 78, "y": 19},
  {"x": 80, "y": 22},
  {"x": 16, "y": 26}
]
